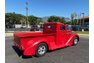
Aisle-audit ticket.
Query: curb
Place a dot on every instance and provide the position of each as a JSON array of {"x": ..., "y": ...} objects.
[
  {"x": 83, "y": 34},
  {"x": 8, "y": 34}
]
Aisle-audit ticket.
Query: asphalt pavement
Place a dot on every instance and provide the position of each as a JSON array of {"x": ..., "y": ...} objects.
[{"x": 72, "y": 54}]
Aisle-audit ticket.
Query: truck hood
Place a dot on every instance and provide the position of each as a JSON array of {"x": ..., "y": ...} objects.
[{"x": 27, "y": 34}]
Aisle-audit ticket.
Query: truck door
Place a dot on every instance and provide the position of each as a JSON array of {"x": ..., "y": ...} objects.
[{"x": 61, "y": 36}]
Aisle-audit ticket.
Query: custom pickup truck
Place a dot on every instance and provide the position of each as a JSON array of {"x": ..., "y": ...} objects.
[{"x": 54, "y": 35}]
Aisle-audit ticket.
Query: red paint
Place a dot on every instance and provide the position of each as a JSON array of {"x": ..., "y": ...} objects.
[{"x": 51, "y": 35}]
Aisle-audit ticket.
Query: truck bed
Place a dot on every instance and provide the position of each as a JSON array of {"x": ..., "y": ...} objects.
[{"x": 29, "y": 34}]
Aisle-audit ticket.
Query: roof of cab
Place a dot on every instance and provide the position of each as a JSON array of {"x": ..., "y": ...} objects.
[{"x": 53, "y": 23}]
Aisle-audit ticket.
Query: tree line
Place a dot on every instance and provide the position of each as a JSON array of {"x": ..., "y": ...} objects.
[{"x": 14, "y": 18}]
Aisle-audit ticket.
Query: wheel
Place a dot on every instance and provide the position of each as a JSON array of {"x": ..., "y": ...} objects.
[
  {"x": 75, "y": 42},
  {"x": 41, "y": 49}
]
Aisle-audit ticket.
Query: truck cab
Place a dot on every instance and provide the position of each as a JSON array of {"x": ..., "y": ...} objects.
[
  {"x": 54, "y": 36},
  {"x": 59, "y": 29}
]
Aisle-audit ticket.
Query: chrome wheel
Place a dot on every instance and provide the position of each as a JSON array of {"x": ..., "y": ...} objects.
[
  {"x": 75, "y": 42},
  {"x": 41, "y": 50}
]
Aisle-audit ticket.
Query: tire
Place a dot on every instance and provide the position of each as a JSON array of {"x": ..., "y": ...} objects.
[
  {"x": 75, "y": 41},
  {"x": 41, "y": 49}
]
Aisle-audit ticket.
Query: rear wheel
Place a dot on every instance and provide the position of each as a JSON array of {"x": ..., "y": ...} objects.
[
  {"x": 41, "y": 49},
  {"x": 75, "y": 42}
]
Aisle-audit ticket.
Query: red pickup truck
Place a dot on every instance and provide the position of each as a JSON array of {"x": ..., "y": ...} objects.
[{"x": 54, "y": 36}]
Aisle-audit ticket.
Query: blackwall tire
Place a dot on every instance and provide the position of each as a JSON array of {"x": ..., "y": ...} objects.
[{"x": 41, "y": 49}]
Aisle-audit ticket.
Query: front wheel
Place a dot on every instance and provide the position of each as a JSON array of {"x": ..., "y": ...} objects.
[
  {"x": 75, "y": 42},
  {"x": 41, "y": 49}
]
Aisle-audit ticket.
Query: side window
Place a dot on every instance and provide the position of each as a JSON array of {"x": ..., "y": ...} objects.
[
  {"x": 62, "y": 28},
  {"x": 49, "y": 26}
]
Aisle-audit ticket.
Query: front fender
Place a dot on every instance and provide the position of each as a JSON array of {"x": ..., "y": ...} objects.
[{"x": 70, "y": 39}]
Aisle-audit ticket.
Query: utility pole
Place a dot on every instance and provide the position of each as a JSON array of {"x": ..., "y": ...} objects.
[
  {"x": 83, "y": 18},
  {"x": 72, "y": 18},
  {"x": 27, "y": 23},
  {"x": 80, "y": 20},
  {"x": 83, "y": 23}
]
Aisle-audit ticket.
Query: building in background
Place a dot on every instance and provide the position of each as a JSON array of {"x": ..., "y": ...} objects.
[{"x": 83, "y": 22}]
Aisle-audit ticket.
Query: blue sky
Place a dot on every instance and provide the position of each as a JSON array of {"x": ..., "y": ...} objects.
[{"x": 42, "y": 8}]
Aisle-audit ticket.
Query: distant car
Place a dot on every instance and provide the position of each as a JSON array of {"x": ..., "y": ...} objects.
[
  {"x": 34, "y": 28},
  {"x": 85, "y": 27}
]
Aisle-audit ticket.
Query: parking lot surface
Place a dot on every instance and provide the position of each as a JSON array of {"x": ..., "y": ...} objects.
[{"x": 73, "y": 54}]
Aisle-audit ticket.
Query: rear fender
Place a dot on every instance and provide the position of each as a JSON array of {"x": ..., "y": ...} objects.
[{"x": 31, "y": 50}]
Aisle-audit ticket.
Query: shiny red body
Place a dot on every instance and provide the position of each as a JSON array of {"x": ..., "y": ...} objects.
[{"x": 52, "y": 35}]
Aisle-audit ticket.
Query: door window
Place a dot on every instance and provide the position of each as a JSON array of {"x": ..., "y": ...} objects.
[{"x": 62, "y": 28}]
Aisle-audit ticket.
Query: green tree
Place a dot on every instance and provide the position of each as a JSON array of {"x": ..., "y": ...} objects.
[
  {"x": 62, "y": 20},
  {"x": 69, "y": 23},
  {"x": 10, "y": 18},
  {"x": 39, "y": 20},
  {"x": 32, "y": 19},
  {"x": 23, "y": 21},
  {"x": 75, "y": 22},
  {"x": 13, "y": 18},
  {"x": 73, "y": 16},
  {"x": 19, "y": 17},
  {"x": 53, "y": 19}
]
